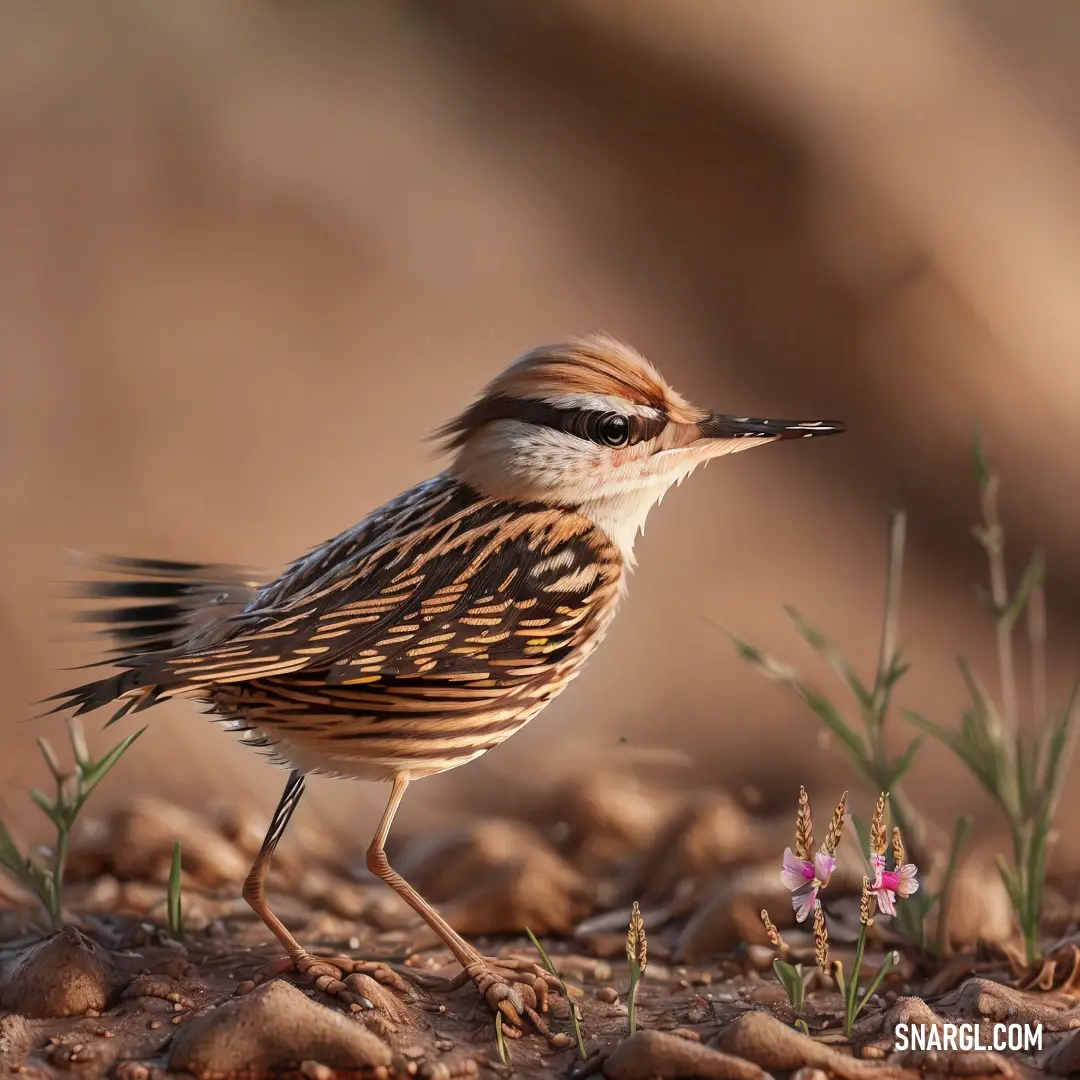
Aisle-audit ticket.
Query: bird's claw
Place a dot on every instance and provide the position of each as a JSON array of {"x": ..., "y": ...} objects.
[
  {"x": 518, "y": 989},
  {"x": 337, "y": 975}
]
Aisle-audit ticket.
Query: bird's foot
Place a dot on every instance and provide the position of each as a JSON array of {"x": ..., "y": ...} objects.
[
  {"x": 516, "y": 988},
  {"x": 356, "y": 982}
]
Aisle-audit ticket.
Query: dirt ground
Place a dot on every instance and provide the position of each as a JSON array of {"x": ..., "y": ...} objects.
[{"x": 113, "y": 995}]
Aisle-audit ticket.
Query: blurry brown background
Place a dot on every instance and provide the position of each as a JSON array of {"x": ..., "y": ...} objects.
[{"x": 251, "y": 254}]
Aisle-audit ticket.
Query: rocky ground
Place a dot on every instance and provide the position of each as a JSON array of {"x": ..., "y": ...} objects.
[{"x": 113, "y": 995}]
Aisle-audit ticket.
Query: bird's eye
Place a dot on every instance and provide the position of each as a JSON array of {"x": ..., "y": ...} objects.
[{"x": 613, "y": 429}]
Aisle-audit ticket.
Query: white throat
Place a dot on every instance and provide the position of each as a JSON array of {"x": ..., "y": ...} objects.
[{"x": 622, "y": 516}]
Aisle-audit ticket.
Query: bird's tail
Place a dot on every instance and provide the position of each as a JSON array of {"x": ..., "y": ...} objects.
[
  {"x": 152, "y": 609},
  {"x": 152, "y": 605}
]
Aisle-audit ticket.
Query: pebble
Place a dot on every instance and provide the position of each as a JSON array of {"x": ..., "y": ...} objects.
[
  {"x": 132, "y": 1070},
  {"x": 315, "y": 1070},
  {"x": 561, "y": 1040},
  {"x": 687, "y": 1033},
  {"x": 768, "y": 994},
  {"x": 608, "y": 994}
]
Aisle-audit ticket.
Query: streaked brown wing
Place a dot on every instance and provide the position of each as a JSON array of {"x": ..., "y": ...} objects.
[{"x": 483, "y": 590}]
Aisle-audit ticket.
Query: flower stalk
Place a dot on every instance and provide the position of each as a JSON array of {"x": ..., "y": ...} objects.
[
  {"x": 807, "y": 879},
  {"x": 637, "y": 956}
]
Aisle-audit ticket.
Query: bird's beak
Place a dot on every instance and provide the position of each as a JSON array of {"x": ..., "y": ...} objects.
[{"x": 748, "y": 429}]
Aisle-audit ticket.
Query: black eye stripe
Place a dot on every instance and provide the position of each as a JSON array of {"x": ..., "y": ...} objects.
[{"x": 583, "y": 423}]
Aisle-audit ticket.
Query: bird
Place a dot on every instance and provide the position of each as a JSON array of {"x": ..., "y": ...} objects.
[{"x": 429, "y": 633}]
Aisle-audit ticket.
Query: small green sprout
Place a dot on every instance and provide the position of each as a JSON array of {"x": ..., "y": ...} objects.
[
  {"x": 176, "y": 916},
  {"x": 574, "y": 1021},
  {"x": 792, "y": 977},
  {"x": 637, "y": 955},
  {"x": 45, "y": 878},
  {"x": 500, "y": 1040}
]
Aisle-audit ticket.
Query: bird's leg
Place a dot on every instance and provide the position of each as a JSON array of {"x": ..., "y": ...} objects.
[
  {"x": 333, "y": 977},
  {"x": 516, "y": 988}
]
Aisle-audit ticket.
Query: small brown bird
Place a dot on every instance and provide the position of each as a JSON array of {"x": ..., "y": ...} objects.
[{"x": 443, "y": 622}]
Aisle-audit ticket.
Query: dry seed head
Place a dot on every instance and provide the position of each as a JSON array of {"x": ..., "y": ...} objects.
[
  {"x": 821, "y": 938},
  {"x": 897, "y": 847},
  {"x": 804, "y": 828},
  {"x": 878, "y": 837},
  {"x": 866, "y": 904},
  {"x": 637, "y": 949},
  {"x": 836, "y": 826},
  {"x": 775, "y": 940}
]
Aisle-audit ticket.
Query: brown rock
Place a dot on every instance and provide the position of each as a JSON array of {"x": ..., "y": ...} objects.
[
  {"x": 141, "y": 838},
  {"x": 64, "y": 975},
  {"x": 15, "y": 1038},
  {"x": 495, "y": 876},
  {"x": 274, "y": 1027},
  {"x": 710, "y": 833},
  {"x": 1003, "y": 1004},
  {"x": 733, "y": 914},
  {"x": 654, "y": 1055},
  {"x": 979, "y": 908},
  {"x": 607, "y": 815},
  {"x": 1064, "y": 1058},
  {"x": 774, "y": 1046}
]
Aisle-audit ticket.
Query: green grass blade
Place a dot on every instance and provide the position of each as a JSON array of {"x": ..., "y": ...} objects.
[
  {"x": 500, "y": 1040},
  {"x": 176, "y": 917},
  {"x": 959, "y": 746},
  {"x": 827, "y": 713},
  {"x": 886, "y": 967},
  {"x": 903, "y": 763},
  {"x": 791, "y": 979},
  {"x": 46, "y": 805},
  {"x": 50, "y": 758},
  {"x": 98, "y": 770},
  {"x": 79, "y": 749},
  {"x": 12, "y": 859},
  {"x": 546, "y": 961},
  {"x": 820, "y": 644}
]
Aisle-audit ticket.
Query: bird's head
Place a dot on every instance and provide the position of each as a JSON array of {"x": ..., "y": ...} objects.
[{"x": 590, "y": 424}]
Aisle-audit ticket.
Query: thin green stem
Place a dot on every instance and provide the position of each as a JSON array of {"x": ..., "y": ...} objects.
[
  {"x": 994, "y": 544},
  {"x": 56, "y": 913},
  {"x": 853, "y": 982},
  {"x": 891, "y": 622}
]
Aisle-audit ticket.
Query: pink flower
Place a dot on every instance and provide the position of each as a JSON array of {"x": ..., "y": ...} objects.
[
  {"x": 890, "y": 884},
  {"x": 804, "y": 879}
]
